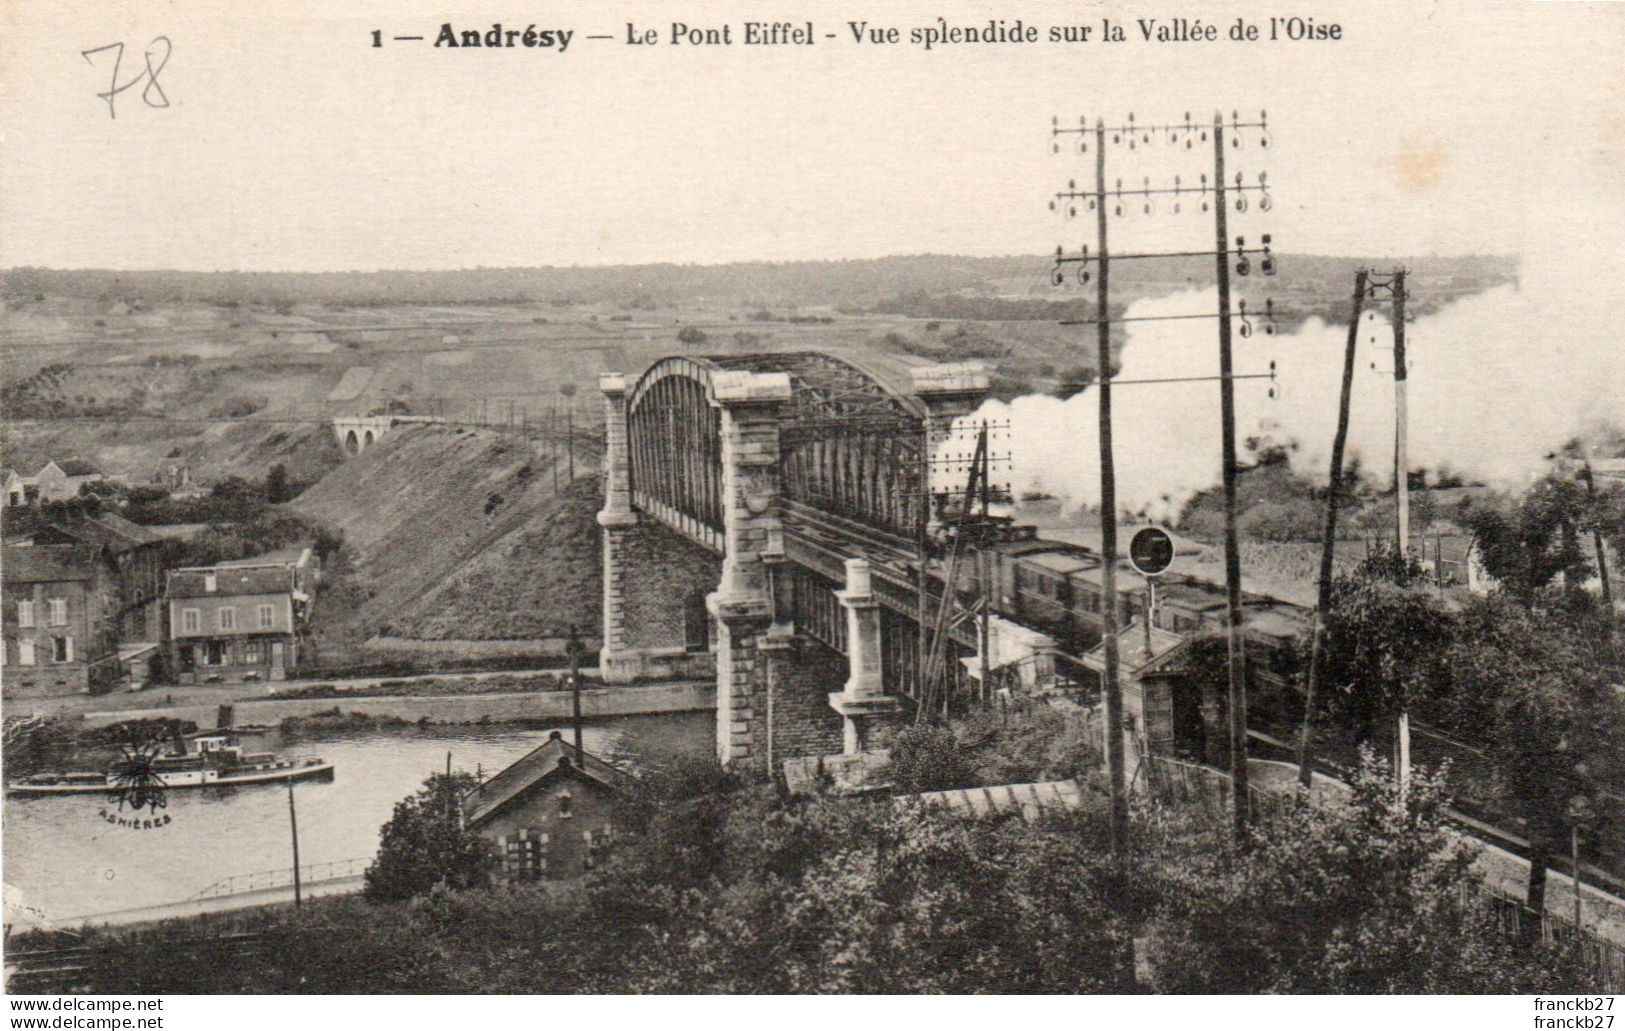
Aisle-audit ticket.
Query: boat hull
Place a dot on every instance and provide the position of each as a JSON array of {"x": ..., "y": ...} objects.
[{"x": 313, "y": 771}]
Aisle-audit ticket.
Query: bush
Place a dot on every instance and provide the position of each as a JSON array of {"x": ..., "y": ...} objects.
[
  {"x": 925, "y": 758},
  {"x": 424, "y": 845}
]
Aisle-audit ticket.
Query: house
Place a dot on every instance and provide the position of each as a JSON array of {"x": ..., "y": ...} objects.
[
  {"x": 16, "y": 487},
  {"x": 241, "y": 620},
  {"x": 135, "y": 552},
  {"x": 58, "y": 613},
  {"x": 551, "y": 814},
  {"x": 59, "y": 481}
]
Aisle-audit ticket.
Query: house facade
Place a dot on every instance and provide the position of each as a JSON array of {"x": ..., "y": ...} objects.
[
  {"x": 551, "y": 814},
  {"x": 135, "y": 553},
  {"x": 56, "y": 481},
  {"x": 58, "y": 616},
  {"x": 238, "y": 621}
]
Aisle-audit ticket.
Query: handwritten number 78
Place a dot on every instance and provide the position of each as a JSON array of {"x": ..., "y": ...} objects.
[{"x": 153, "y": 94}]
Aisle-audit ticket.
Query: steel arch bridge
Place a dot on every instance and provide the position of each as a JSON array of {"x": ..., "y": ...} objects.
[
  {"x": 851, "y": 444},
  {"x": 807, "y": 474}
]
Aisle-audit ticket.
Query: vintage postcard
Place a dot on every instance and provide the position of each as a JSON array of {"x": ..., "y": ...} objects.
[{"x": 696, "y": 497}]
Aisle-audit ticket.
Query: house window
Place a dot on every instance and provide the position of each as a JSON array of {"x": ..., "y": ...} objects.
[
  {"x": 61, "y": 649},
  {"x": 25, "y": 613},
  {"x": 59, "y": 611},
  {"x": 267, "y": 617},
  {"x": 227, "y": 618},
  {"x": 191, "y": 621},
  {"x": 252, "y": 651},
  {"x": 209, "y": 582},
  {"x": 216, "y": 654},
  {"x": 564, "y": 806},
  {"x": 524, "y": 854}
]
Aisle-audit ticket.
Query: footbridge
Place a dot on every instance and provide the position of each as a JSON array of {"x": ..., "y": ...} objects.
[{"x": 762, "y": 516}]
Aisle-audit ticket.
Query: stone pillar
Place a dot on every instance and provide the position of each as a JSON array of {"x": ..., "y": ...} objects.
[
  {"x": 864, "y": 695},
  {"x": 751, "y": 533},
  {"x": 617, "y": 663}
]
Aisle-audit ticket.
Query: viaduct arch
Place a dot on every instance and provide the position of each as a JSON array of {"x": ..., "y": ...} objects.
[{"x": 789, "y": 490}]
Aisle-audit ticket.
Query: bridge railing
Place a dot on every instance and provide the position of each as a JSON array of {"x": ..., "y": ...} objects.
[{"x": 260, "y": 880}]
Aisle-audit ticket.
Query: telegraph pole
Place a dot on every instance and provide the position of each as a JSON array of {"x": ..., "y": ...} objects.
[
  {"x": 1110, "y": 687},
  {"x": 1232, "y": 552},
  {"x": 1402, "y": 497},
  {"x": 1328, "y": 547},
  {"x": 1134, "y": 136}
]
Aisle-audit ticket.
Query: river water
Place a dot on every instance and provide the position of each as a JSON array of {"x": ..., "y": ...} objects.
[{"x": 63, "y": 860}]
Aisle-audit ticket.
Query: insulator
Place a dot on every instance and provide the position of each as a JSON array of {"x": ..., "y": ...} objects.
[
  {"x": 1243, "y": 267},
  {"x": 1268, "y": 264},
  {"x": 1241, "y": 203},
  {"x": 1083, "y": 275},
  {"x": 1057, "y": 277}
]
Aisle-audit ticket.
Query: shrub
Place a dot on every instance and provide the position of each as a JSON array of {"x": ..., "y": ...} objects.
[{"x": 925, "y": 758}]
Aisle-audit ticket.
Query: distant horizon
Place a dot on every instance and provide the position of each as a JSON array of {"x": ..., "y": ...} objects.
[{"x": 1482, "y": 255}]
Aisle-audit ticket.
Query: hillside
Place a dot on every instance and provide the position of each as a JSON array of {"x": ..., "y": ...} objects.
[{"x": 458, "y": 535}]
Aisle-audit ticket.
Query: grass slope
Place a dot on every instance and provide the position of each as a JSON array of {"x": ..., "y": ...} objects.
[{"x": 458, "y": 535}]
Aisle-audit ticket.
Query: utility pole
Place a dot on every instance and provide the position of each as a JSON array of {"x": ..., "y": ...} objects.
[
  {"x": 574, "y": 648},
  {"x": 1402, "y": 497},
  {"x": 1232, "y": 553},
  {"x": 1317, "y": 647},
  {"x": 293, "y": 825},
  {"x": 1110, "y": 686},
  {"x": 1133, "y": 136}
]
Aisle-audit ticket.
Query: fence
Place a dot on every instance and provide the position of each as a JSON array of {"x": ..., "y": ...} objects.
[{"x": 314, "y": 873}]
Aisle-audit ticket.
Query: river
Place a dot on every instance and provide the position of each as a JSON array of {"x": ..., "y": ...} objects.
[{"x": 63, "y": 860}]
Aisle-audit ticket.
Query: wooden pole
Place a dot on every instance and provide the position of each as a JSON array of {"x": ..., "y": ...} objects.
[
  {"x": 293, "y": 826},
  {"x": 1328, "y": 545},
  {"x": 1402, "y": 497},
  {"x": 1232, "y": 554},
  {"x": 1110, "y": 687},
  {"x": 575, "y": 694}
]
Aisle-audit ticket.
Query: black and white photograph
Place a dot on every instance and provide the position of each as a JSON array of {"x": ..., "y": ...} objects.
[{"x": 713, "y": 498}]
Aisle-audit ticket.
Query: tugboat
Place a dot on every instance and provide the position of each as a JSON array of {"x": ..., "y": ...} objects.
[{"x": 216, "y": 759}]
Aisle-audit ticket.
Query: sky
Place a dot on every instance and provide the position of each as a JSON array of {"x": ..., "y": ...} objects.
[{"x": 291, "y": 143}]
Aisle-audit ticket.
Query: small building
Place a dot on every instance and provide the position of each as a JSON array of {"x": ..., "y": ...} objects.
[
  {"x": 241, "y": 620},
  {"x": 58, "y": 613},
  {"x": 551, "y": 814}
]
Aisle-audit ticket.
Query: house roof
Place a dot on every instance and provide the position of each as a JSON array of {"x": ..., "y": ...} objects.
[
  {"x": 229, "y": 580},
  {"x": 77, "y": 467},
  {"x": 536, "y": 766},
  {"x": 1131, "y": 649},
  {"x": 114, "y": 531},
  {"x": 47, "y": 564},
  {"x": 282, "y": 556}
]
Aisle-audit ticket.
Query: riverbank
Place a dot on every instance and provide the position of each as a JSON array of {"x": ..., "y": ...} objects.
[{"x": 489, "y": 707}]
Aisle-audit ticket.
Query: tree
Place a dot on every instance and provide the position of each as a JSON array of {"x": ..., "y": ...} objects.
[
  {"x": 277, "y": 488},
  {"x": 1385, "y": 641},
  {"x": 1538, "y": 692},
  {"x": 1531, "y": 542},
  {"x": 424, "y": 844}
]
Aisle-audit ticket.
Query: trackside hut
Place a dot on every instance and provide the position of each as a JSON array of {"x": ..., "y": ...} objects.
[{"x": 548, "y": 815}]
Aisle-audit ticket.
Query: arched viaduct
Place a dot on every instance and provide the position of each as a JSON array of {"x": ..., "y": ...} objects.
[
  {"x": 761, "y": 513},
  {"x": 356, "y": 433}
]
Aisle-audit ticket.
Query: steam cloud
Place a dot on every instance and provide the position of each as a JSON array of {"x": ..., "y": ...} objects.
[{"x": 1497, "y": 381}]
